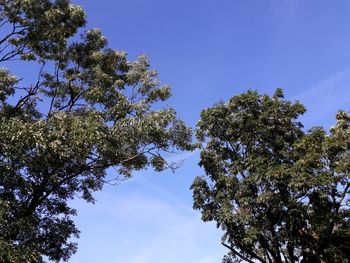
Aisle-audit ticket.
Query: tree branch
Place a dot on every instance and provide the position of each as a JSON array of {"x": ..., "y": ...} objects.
[{"x": 237, "y": 253}]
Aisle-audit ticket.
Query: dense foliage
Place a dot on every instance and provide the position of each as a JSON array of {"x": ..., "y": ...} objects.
[
  {"x": 89, "y": 109},
  {"x": 280, "y": 194}
]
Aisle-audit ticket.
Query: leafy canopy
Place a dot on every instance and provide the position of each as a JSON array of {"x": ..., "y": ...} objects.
[
  {"x": 280, "y": 194},
  {"x": 89, "y": 109}
]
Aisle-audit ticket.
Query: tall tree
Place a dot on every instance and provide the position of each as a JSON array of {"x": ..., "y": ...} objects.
[
  {"x": 89, "y": 109},
  {"x": 279, "y": 194}
]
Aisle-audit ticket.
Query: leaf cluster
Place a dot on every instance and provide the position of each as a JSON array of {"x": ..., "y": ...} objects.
[
  {"x": 91, "y": 109},
  {"x": 280, "y": 194}
]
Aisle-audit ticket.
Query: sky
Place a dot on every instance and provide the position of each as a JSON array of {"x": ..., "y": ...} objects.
[{"x": 208, "y": 51}]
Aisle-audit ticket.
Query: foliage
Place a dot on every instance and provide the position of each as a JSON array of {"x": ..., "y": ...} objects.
[
  {"x": 279, "y": 194},
  {"x": 90, "y": 109}
]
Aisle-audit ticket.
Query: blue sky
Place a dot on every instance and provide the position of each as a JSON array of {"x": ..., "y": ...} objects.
[{"x": 208, "y": 51}]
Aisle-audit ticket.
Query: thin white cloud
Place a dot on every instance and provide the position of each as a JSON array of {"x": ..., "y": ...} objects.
[
  {"x": 136, "y": 228},
  {"x": 181, "y": 156},
  {"x": 142, "y": 222},
  {"x": 326, "y": 98}
]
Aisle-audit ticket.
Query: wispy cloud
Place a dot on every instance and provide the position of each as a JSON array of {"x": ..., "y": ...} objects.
[
  {"x": 181, "y": 156},
  {"x": 134, "y": 227},
  {"x": 325, "y": 98}
]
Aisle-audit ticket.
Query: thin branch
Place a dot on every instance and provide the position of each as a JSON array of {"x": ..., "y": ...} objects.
[
  {"x": 237, "y": 253},
  {"x": 56, "y": 90},
  {"x": 9, "y": 35},
  {"x": 30, "y": 92}
]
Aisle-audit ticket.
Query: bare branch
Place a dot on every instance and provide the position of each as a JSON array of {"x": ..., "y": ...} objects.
[{"x": 235, "y": 252}]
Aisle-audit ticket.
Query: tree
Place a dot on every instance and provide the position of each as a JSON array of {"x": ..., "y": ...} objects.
[
  {"x": 279, "y": 194},
  {"x": 89, "y": 110}
]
